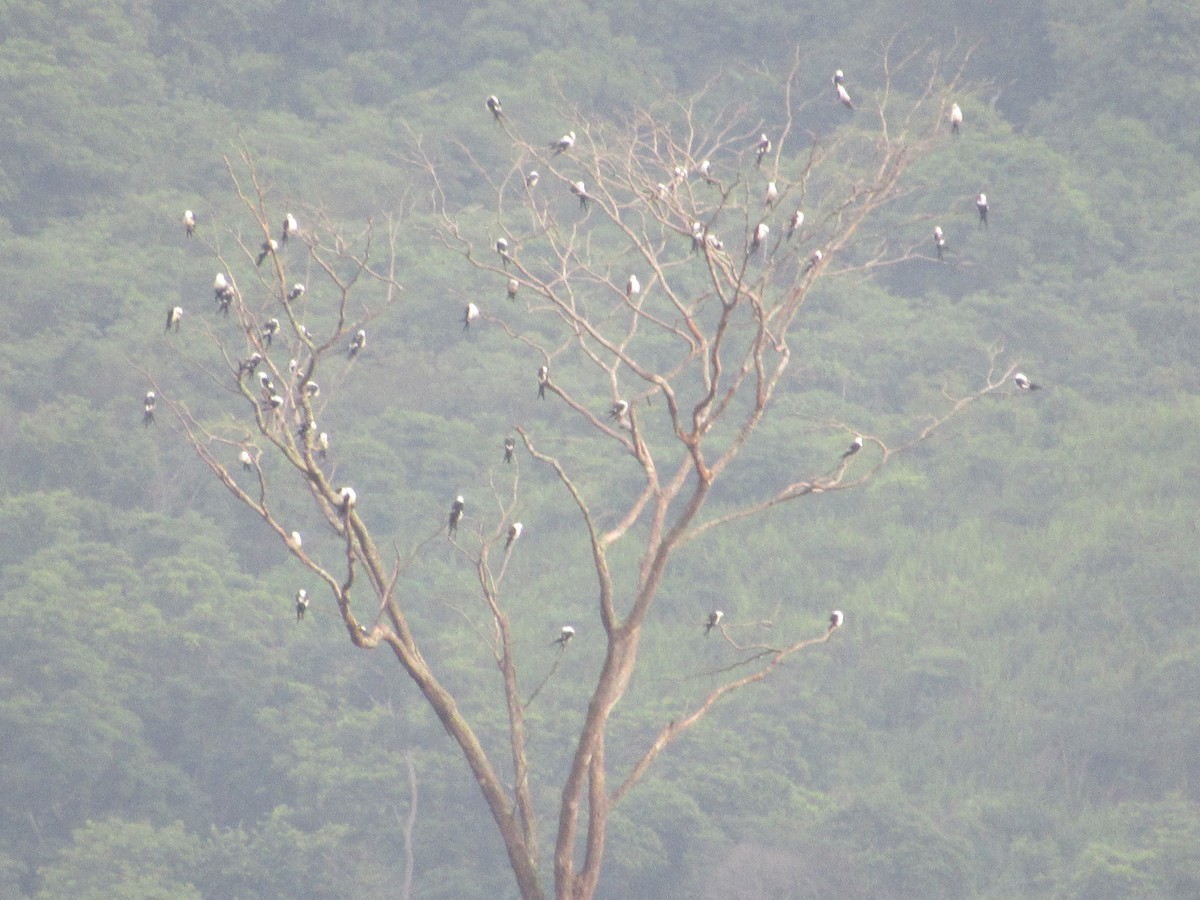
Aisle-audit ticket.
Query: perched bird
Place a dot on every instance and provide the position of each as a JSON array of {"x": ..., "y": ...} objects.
[
  {"x": 981, "y": 204},
  {"x": 513, "y": 286},
  {"x": 456, "y": 513},
  {"x": 290, "y": 227},
  {"x": 250, "y": 364},
  {"x": 174, "y": 318},
  {"x": 714, "y": 619},
  {"x": 265, "y": 382},
  {"x": 295, "y": 540},
  {"x": 632, "y": 286},
  {"x": 714, "y": 242},
  {"x": 296, "y": 292},
  {"x": 618, "y": 410},
  {"x": 306, "y": 428},
  {"x": 772, "y": 194},
  {"x": 358, "y": 342},
  {"x": 347, "y": 498},
  {"x": 579, "y": 189},
  {"x": 189, "y": 222},
  {"x": 763, "y": 148},
  {"x": 855, "y": 446},
  {"x": 502, "y": 249},
  {"x": 760, "y": 238},
  {"x": 510, "y": 444},
  {"x": 662, "y": 193},
  {"x": 148, "y": 416},
  {"x": 247, "y": 460},
  {"x": 705, "y": 171},
  {"x": 955, "y": 119},
  {"x": 1024, "y": 383},
  {"x": 222, "y": 289},
  {"x": 835, "y": 620},
  {"x": 301, "y": 603},
  {"x": 514, "y": 532},
  {"x": 564, "y": 143},
  {"x": 312, "y": 390},
  {"x": 816, "y": 257},
  {"x": 795, "y": 223},
  {"x": 275, "y": 401},
  {"x": 680, "y": 174},
  {"x": 270, "y": 330},
  {"x": 469, "y": 314},
  {"x": 842, "y": 94},
  {"x": 697, "y": 236},
  {"x": 543, "y": 378},
  {"x": 268, "y": 246},
  {"x": 493, "y": 103},
  {"x": 322, "y": 445},
  {"x": 939, "y": 240},
  {"x": 564, "y": 637},
  {"x": 531, "y": 179}
]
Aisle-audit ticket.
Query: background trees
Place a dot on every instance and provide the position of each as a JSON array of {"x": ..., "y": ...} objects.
[{"x": 1020, "y": 654}]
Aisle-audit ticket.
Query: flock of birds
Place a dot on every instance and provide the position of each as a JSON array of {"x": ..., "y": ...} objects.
[{"x": 225, "y": 292}]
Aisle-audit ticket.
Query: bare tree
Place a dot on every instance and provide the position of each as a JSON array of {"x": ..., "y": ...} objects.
[{"x": 661, "y": 262}]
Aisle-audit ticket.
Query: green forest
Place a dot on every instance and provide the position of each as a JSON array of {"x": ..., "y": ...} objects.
[{"x": 1011, "y": 706}]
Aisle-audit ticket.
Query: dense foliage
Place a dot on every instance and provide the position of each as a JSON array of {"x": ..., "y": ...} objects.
[{"x": 1010, "y": 709}]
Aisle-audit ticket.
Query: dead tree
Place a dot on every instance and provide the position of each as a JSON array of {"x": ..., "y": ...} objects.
[{"x": 689, "y": 356}]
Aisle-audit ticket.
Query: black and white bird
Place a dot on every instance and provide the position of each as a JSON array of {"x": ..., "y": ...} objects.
[
  {"x": 148, "y": 415},
  {"x": 955, "y": 118},
  {"x": 836, "y": 618},
  {"x": 698, "y": 231},
  {"x": 265, "y": 382},
  {"x": 246, "y": 459},
  {"x": 981, "y": 204},
  {"x": 795, "y": 223},
  {"x": 855, "y": 446},
  {"x": 321, "y": 448},
  {"x": 222, "y": 289},
  {"x": 813, "y": 260},
  {"x": 301, "y": 603},
  {"x": 842, "y": 94},
  {"x": 939, "y": 240},
  {"x": 564, "y": 637},
  {"x": 1024, "y": 383},
  {"x": 510, "y": 444},
  {"x": 618, "y": 410},
  {"x": 270, "y": 330},
  {"x": 295, "y": 540},
  {"x": 296, "y": 292},
  {"x": 579, "y": 189},
  {"x": 174, "y": 318},
  {"x": 543, "y": 379},
  {"x": 514, "y": 532},
  {"x": 268, "y": 246},
  {"x": 531, "y": 179},
  {"x": 358, "y": 342},
  {"x": 502, "y": 249},
  {"x": 275, "y": 402},
  {"x": 290, "y": 227},
  {"x": 762, "y": 149},
  {"x": 632, "y": 286},
  {"x": 347, "y": 498},
  {"x": 564, "y": 143},
  {"x": 493, "y": 103},
  {"x": 513, "y": 287},
  {"x": 759, "y": 241},
  {"x": 312, "y": 390},
  {"x": 714, "y": 619},
  {"x": 705, "y": 171},
  {"x": 189, "y": 222},
  {"x": 249, "y": 365},
  {"x": 456, "y": 513},
  {"x": 772, "y": 194},
  {"x": 470, "y": 314}
]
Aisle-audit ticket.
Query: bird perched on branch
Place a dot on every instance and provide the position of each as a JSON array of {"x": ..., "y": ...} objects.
[
  {"x": 759, "y": 241},
  {"x": 842, "y": 94},
  {"x": 174, "y": 318},
  {"x": 855, "y": 446},
  {"x": 939, "y": 241},
  {"x": 1024, "y": 383},
  {"x": 813, "y": 260},
  {"x": 579, "y": 189},
  {"x": 296, "y": 292},
  {"x": 714, "y": 619},
  {"x": 543, "y": 378},
  {"x": 270, "y": 330},
  {"x": 513, "y": 287},
  {"x": 456, "y": 513},
  {"x": 564, "y": 637},
  {"x": 502, "y": 249},
  {"x": 347, "y": 499},
  {"x": 795, "y": 223},
  {"x": 772, "y": 194},
  {"x": 531, "y": 179},
  {"x": 268, "y": 246},
  {"x": 469, "y": 315},
  {"x": 290, "y": 227},
  {"x": 564, "y": 143},
  {"x": 321, "y": 448},
  {"x": 762, "y": 149},
  {"x": 493, "y": 103},
  {"x": 632, "y": 286},
  {"x": 981, "y": 204},
  {"x": 835, "y": 620},
  {"x": 189, "y": 222},
  {"x": 358, "y": 342},
  {"x": 510, "y": 444},
  {"x": 148, "y": 415},
  {"x": 618, "y": 410},
  {"x": 956, "y": 118},
  {"x": 246, "y": 459},
  {"x": 705, "y": 171},
  {"x": 514, "y": 532},
  {"x": 301, "y": 603}
]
